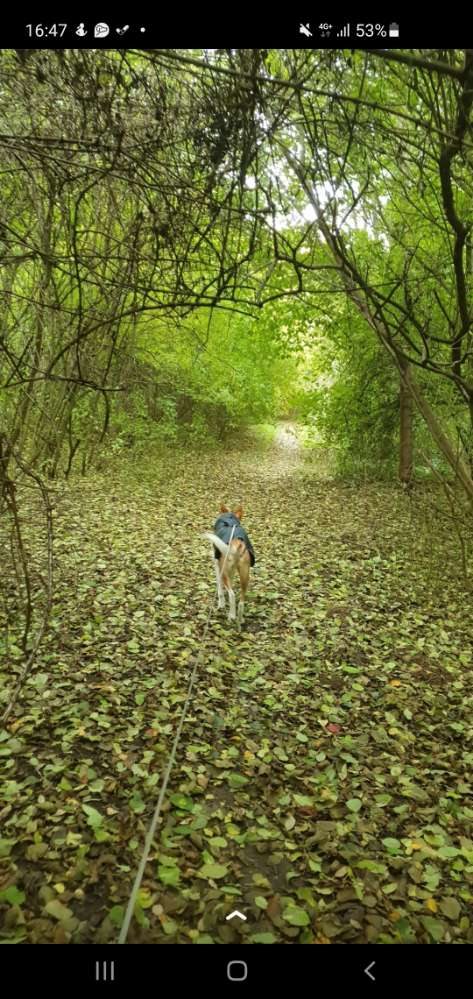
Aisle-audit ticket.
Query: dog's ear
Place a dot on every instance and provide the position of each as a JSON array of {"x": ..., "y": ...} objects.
[
  {"x": 238, "y": 512},
  {"x": 223, "y": 508}
]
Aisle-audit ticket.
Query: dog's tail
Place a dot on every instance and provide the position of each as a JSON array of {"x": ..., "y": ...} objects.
[
  {"x": 221, "y": 545},
  {"x": 231, "y": 552}
]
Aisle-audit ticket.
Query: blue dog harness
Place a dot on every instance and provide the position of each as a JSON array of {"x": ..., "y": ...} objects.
[{"x": 223, "y": 529}]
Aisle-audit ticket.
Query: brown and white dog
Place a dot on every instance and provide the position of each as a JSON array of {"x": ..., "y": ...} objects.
[{"x": 233, "y": 550}]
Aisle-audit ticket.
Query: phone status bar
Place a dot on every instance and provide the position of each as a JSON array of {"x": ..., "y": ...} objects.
[{"x": 357, "y": 31}]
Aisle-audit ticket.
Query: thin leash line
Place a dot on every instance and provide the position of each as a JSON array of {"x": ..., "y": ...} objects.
[{"x": 154, "y": 821}]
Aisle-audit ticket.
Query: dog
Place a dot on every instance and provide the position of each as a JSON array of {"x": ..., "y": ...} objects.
[{"x": 232, "y": 550}]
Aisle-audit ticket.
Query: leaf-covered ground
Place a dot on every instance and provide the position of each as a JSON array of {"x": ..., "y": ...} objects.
[{"x": 323, "y": 779}]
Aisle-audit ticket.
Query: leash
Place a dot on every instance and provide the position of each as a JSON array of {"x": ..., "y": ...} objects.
[{"x": 157, "y": 812}]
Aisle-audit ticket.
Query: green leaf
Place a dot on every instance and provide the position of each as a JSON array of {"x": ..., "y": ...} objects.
[
  {"x": 169, "y": 927},
  {"x": 94, "y": 818},
  {"x": 36, "y": 850},
  {"x": 404, "y": 930},
  {"x": 237, "y": 780},
  {"x": 213, "y": 871},
  {"x": 431, "y": 877},
  {"x": 450, "y": 908},
  {"x": 12, "y": 895},
  {"x": 169, "y": 875},
  {"x": 383, "y": 799},
  {"x": 183, "y": 802},
  {"x": 354, "y": 804},
  {"x": 260, "y": 881},
  {"x": 59, "y": 911},
  {"x": 101, "y": 836},
  {"x": 263, "y": 938},
  {"x": 6, "y": 846},
  {"x": 217, "y": 842},
  {"x": 296, "y": 916},
  {"x": 447, "y": 852},
  {"x": 392, "y": 845},
  {"x": 434, "y": 927},
  {"x": 116, "y": 915},
  {"x": 303, "y": 800},
  {"x": 137, "y": 804},
  {"x": 141, "y": 917},
  {"x": 261, "y": 902},
  {"x": 373, "y": 866}
]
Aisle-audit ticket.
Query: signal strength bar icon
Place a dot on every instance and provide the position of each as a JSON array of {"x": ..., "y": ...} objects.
[{"x": 345, "y": 32}]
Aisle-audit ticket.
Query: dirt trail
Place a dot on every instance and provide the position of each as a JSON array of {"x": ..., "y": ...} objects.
[
  {"x": 313, "y": 782},
  {"x": 286, "y": 436}
]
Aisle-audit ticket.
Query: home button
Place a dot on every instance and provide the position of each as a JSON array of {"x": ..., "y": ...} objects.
[{"x": 237, "y": 971}]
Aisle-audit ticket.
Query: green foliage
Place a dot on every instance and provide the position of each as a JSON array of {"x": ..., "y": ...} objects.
[
  {"x": 349, "y": 396},
  {"x": 202, "y": 379}
]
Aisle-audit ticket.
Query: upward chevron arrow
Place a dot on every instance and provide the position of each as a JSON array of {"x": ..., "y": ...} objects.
[{"x": 236, "y": 913}]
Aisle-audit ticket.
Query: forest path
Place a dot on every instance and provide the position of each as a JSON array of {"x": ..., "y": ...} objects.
[
  {"x": 286, "y": 436},
  {"x": 314, "y": 777}
]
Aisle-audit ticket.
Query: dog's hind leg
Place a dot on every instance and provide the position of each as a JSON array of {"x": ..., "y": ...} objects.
[
  {"x": 220, "y": 590},
  {"x": 244, "y": 573},
  {"x": 227, "y": 582},
  {"x": 232, "y": 611}
]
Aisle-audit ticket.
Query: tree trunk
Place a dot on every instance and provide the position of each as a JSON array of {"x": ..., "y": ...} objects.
[{"x": 405, "y": 432}]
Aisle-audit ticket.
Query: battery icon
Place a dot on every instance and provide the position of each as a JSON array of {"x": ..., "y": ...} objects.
[{"x": 394, "y": 31}]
